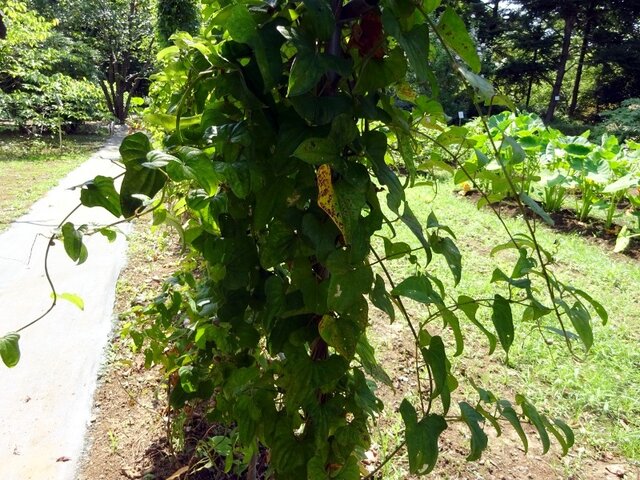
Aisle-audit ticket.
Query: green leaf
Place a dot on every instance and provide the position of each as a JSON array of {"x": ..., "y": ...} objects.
[
  {"x": 134, "y": 148},
  {"x": 451, "y": 321},
  {"x": 276, "y": 244},
  {"x": 317, "y": 151},
  {"x": 499, "y": 276},
  {"x": 188, "y": 379},
  {"x": 436, "y": 358},
  {"x": 581, "y": 321},
  {"x": 73, "y": 244},
  {"x": 158, "y": 159},
  {"x": 597, "y": 306},
  {"x": 240, "y": 24},
  {"x": 367, "y": 357},
  {"x": 622, "y": 184},
  {"x": 421, "y": 438},
  {"x": 346, "y": 289},
  {"x": 380, "y": 298},
  {"x": 532, "y": 414},
  {"x": 72, "y": 298},
  {"x": 417, "y": 288},
  {"x": 562, "y": 440},
  {"x": 380, "y": 73},
  {"x": 168, "y": 122},
  {"x": 109, "y": 233},
  {"x": 410, "y": 220},
  {"x": 415, "y": 43},
  {"x": 349, "y": 202},
  {"x": 453, "y": 136},
  {"x": 507, "y": 411},
  {"x": 198, "y": 166},
  {"x": 511, "y": 151},
  {"x": 479, "y": 439},
  {"x": 375, "y": 143},
  {"x": 503, "y": 321},
  {"x": 469, "y": 306},
  {"x": 341, "y": 334},
  {"x": 482, "y": 88},
  {"x": 537, "y": 209},
  {"x": 578, "y": 150},
  {"x": 432, "y": 222},
  {"x": 267, "y": 52},
  {"x": 566, "y": 430},
  {"x": 321, "y": 16},
  {"x": 454, "y": 34},
  {"x": 350, "y": 470},
  {"x": 305, "y": 74},
  {"x": 492, "y": 420},
  {"x": 142, "y": 181},
  {"x": 430, "y": 5},
  {"x": 446, "y": 247},
  {"x": 320, "y": 110},
  {"x": 406, "y": 149},
  {"x": 9, "y": 349},
  {"x": 395, "y": 250},
  {"x": 100, "y": 192}
]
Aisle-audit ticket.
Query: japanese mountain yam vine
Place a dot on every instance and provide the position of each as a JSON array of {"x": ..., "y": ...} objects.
[{"x": 280, "y": 130}]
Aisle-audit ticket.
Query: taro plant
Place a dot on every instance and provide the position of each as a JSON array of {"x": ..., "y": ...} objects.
[
  {"x": 523, "y": 142},
  {"x": 277, "y": 128}
]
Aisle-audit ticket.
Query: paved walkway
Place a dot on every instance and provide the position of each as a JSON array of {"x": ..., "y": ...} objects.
[{"x": 45, "y": 401}]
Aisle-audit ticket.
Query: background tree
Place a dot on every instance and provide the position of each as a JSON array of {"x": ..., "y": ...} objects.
[
  {"x": 3, "y": 28},
  {"x": 615, "y": 36},
  {"x": 525, "y": 54},
  {"x": 119, "y": 34},
  {"x": 174, "y": 16},
  {"x": 43, "y": 84}
]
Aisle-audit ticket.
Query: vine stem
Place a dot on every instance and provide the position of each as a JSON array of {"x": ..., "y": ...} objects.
[
  {"x": 386, "y": 460},
  {"x": 416, "y": 337},
  {"x": 47, "y": 274},
  {"x": 474, "y": 183},
  {"x": 496, "y": 151},
  {"x": 50, "y": 243}
]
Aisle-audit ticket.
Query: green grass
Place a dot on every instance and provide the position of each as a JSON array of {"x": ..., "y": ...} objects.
[
  {"x": 600, "y": 396},
  {"x": 29, "y": 167}
]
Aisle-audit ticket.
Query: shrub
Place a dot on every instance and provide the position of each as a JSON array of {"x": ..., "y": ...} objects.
[
  {"x": 624, "y": 122},
  {"x": 55, "y": 101}
]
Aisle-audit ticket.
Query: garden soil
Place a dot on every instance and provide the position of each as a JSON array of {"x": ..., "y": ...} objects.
[{"x": 128, "y": 437}]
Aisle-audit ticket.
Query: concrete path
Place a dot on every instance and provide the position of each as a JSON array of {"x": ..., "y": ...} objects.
[{"x": 45, "y": 401}]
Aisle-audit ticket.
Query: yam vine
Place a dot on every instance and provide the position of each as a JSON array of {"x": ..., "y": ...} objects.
[{"x": 279, "y": 129}]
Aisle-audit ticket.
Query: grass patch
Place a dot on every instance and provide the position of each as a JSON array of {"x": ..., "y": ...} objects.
[
  {"x": 599, "y": 397},
  {"x": 29, "y": 167}
]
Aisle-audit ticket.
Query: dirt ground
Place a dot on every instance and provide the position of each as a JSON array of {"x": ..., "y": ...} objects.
[
  {"x": 565, "y": 221},
  {"x": 127, "y": 438}
]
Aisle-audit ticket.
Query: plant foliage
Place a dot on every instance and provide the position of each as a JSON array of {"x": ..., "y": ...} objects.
[{"x": 279, "y": 130}]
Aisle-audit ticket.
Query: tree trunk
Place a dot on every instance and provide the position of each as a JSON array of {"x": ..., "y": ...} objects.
[
  {"x": 530, "y": 84},
  {"x": 496, "y": 9},
  {"x": 583, "y": 53},
  {"x": 569, "y": 23}
]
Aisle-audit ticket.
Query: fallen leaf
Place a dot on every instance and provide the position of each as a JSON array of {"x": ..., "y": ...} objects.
[{"x": 178, "y": 473}]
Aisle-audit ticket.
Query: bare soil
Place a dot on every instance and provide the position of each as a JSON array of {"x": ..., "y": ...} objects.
[
  {"x": 128, "y": 435},
  {"x": 505, "y": 458},
  {"x": 565, "y": 221}
]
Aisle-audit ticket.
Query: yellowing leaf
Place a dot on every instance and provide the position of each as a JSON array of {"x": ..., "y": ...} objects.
[{"x": 327, "y": 200}]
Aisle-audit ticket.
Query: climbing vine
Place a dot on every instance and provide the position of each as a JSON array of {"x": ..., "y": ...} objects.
[{"x": 280, "y": 128}]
